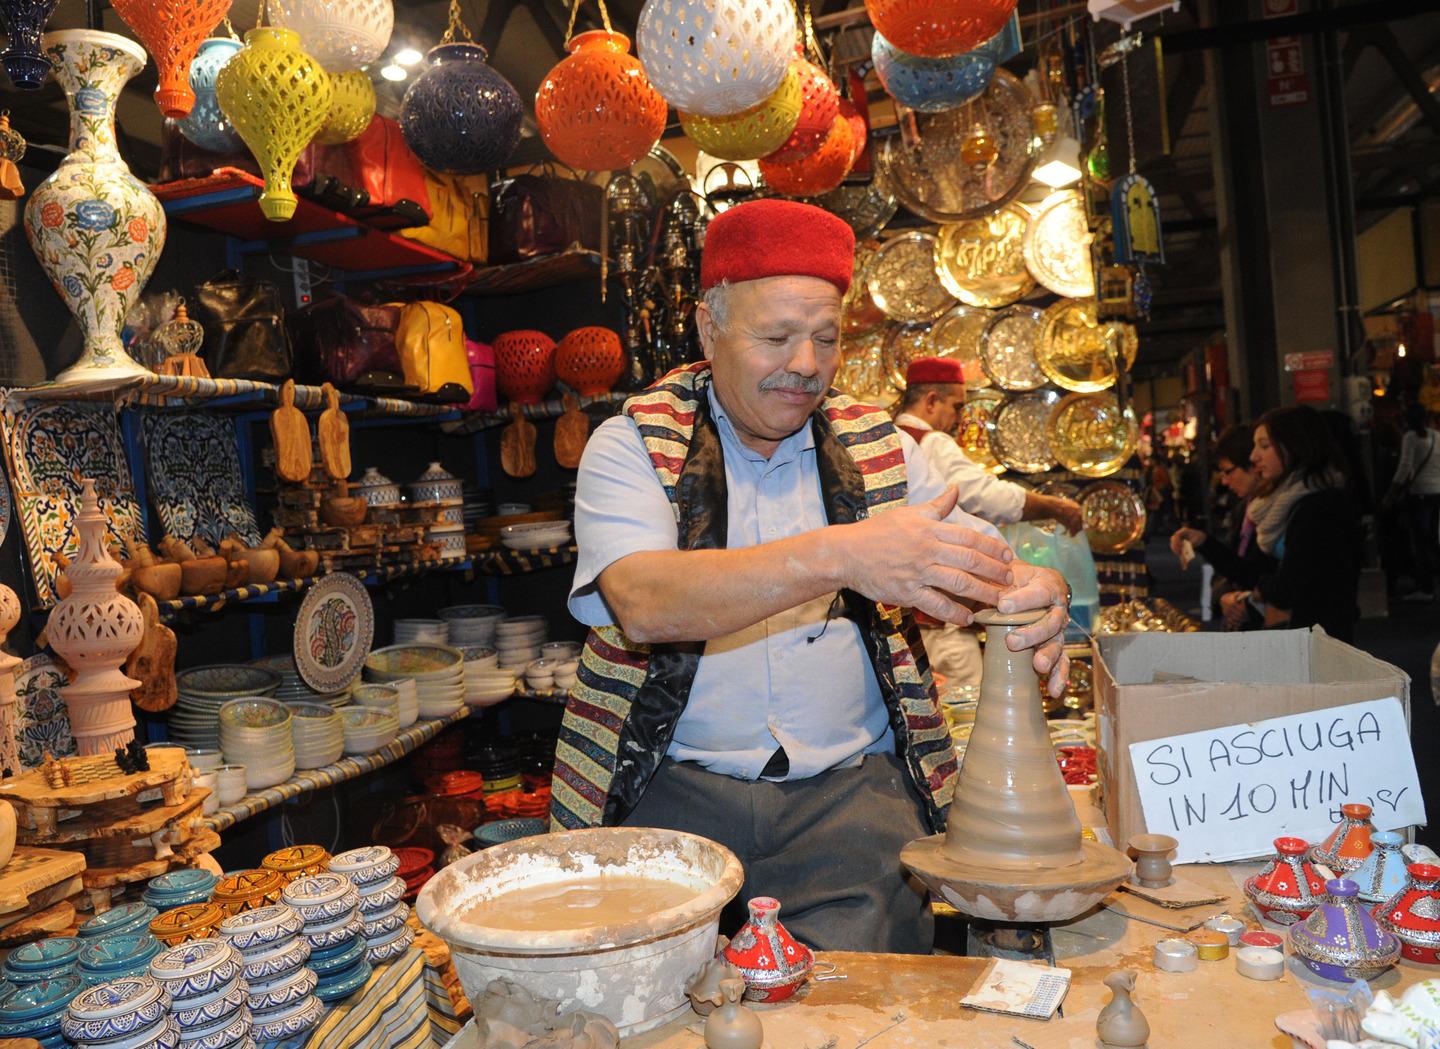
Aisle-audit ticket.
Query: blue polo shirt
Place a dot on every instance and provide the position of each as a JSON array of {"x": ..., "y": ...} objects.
[{"x": 795, "y": 679}]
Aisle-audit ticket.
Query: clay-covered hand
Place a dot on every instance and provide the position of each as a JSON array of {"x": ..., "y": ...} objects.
[
  {"x": 914, "y": 558},
  {"x": 1196, "y": 537},
  {"x": 1037, "y": 587}
]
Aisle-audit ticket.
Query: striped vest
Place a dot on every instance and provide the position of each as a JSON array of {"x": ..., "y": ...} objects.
[{"x": 628, "y": 697}]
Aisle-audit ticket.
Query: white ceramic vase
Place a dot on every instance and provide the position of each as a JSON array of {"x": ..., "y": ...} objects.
[
  {"x": 94, "y": 630},
  {"x": 96, "y": 229}
]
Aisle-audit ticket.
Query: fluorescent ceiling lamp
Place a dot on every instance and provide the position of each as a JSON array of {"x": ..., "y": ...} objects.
[
  {"x": 408, "y": 57},
  {"x": 393, "y": 72},
  {"x": 1060, "y": 164}
]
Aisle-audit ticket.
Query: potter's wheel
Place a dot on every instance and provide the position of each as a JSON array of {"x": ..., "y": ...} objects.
[{"x": 1026, "y": 897}]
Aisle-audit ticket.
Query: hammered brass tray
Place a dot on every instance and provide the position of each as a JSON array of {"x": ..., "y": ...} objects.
[
  {"x": 901, "y": 278},
  {"x": 862, "y": 372},
  {"x": 1114, "y": 516},
  {"x": 1018, "y": 431},
  {"x": 1091, "y": 435},
  {"x": 982, "y": 262},
  {"x": 858, "y": 312},
  {"x": 1080, "y": 354},
  {"x": 903, "y": 343},
  {"x": 957, "y": 335},
  {"x": 972, "y": 430},
  {"x": 1007, "y": 348},
  {"x": 1057, "y": 246}
]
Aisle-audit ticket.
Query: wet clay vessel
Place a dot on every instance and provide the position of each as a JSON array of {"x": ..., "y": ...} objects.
[
  {"x": 733, "y": 1026},
  {"x": 1152, "y": 859},
  {"x": 1013, "y": 850},
  {"x": 1121, "y": 1024}
]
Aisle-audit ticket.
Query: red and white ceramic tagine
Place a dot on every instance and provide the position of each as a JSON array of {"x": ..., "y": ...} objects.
[
  {"x": 773, "y": 962},
  {"x": 1413, "y": 915},
  {"x": 1290, "y": 887}
]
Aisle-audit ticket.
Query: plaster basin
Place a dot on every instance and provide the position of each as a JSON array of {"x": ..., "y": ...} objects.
[{"x": 634, "y": 973}]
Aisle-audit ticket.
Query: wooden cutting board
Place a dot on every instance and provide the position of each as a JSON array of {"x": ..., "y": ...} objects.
[
  {"x": 153, "y": 661},
  {"x": 291, "y": 434},
  {"x": 572, "y": 430},
  {"x": 517, "y": 445},
  {"x": 32, "y": 870},
  {"x": 334, "y": 430}
]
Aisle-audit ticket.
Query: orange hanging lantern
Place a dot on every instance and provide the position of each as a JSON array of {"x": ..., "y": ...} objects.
[
  {"x": 171, "y": 31},
  {"x": 939, "y": 28},
  {"x": 817, "y": 172},
  {"x": 859, "y": 128},
  {"x": 596, "y": 109},
  {"x": 820, "y": 102},
  {"x": 591, "y": 360}
]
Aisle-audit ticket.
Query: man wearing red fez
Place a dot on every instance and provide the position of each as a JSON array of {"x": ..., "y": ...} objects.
[
  {"x": 750, "y": 543},
  {"x": 929, "y": 412}
]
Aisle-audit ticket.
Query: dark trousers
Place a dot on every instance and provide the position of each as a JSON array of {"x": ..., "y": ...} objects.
[
  {"x": 827, "y": 847},
  {"x": 1422, "y": 518}
]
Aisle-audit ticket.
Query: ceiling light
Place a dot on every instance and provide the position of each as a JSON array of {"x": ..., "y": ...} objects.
[
  {"x": 408, "y": 56},
  {"x": 1400, "y": 350},
  {"x": 1060, "y": 164},
  {"x": 393, "y": 72}
]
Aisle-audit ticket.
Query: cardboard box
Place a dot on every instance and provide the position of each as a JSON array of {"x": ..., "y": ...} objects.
[{"x": 1150, "y": 686}]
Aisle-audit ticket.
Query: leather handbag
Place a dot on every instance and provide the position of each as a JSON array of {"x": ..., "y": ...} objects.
[
  {"x": 459, "y": 217},
  {"x": 244, "y": 323},
  {"x": 431, "y": 340},
  {"x": 486, "y": 397},
  {"x": 349, "y": 343},
  {"x": 384, "y": 168},
  {"x": 533, "y": 215},
  {"x": 181, "y": 159}
]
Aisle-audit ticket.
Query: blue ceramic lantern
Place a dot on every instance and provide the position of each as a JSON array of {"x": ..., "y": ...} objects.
[
  {"x": 459, "y": 115},
  {"x": 931, "y": 84},
  {"x": 207, "y": 126},
  {"x": 25, "y": 20}
]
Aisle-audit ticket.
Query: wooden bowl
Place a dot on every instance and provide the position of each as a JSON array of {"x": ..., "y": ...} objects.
[
  {"x": 299, "y": 564},
  {"x": 343, "y": 511},
  {"x": 203, "y": 575},
  {"x": 235, "y": 574},
  {"x": 262, "y": 566},
  {"x": 160, "y": 581}
]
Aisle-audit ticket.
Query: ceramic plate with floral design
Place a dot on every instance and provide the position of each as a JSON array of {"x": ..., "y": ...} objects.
[
  {"x": 333, "y": 632},
  {"x": 41, "y": 721},
  {"x": 195, "y": 478}
]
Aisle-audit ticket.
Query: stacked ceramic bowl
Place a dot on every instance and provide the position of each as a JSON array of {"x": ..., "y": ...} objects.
[
  {"x": 292, "y": 686},
  {"x": 111, "y": 957},
  {"x": 485, "y": 683},
  {"x": 202, "y": 691},
  {"x": 376, "y": 696},
  {"x": 282, "y": 999},
  {"x": 372, "y": 870},
  {"x": 438, "y": 672},
  {"x": 178, "y": 888},
  {"x": 368, "y": 729},
  {"x": 208, "y": 996},
  {"x": 318, "y": 735},
  {"x": 329, "y": 904},
  {"x": 422, "y": 632},
  {"x": 256, "y": 733},
  {"x": 409, "y": 700},
  {"x": 133, "y": 1011},
  {"x": 472, "y": 624},
  {"x": 128, "y": 919},
  {"x": 47, "y": 959},
  {"x": 536, "y": 535},
  {"x": 518, "y": 641},
  {"x": 35, "y": 1010}
]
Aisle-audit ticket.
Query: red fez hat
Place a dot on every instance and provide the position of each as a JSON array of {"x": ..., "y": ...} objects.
[
  {"x": 777, "y": 238},
  {"x": 923, "y": 370}
]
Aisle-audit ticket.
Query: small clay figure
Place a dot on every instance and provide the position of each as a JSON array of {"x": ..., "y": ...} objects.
[
  {"x": 579, "y": 1031},
  {"x": 1121, "y": 1024},
  {"x": 733, "y": 1026},
  {"x": 703, "y": 990}
]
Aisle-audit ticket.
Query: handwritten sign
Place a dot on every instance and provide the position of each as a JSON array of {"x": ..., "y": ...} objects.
[{"x": 1227, "y": 793}]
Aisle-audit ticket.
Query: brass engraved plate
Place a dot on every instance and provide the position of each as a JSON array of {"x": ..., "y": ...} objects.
[
  {"x": 1091, "y": 435},
  {"x": 1080, "y": 354},
  {"x": 1007, "y": 348},
  {"x": 1114, "y": 516},
  {"x": 1018, "y": 431},
  {"x": 1057, "y": 246},
  {"x": 957, "y": 335},
  {"x": 903, "y": 343},
  {"x": 982, "y": 262},
  {"x": 858, "y": 312},
  {"x": 862, "y": 373},
  {"x": 901, "y": 278},
  {"x": 972, "y": 431}
]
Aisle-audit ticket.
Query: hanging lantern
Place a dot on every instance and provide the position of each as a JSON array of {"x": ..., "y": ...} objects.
[
  {"x": 351, "y": 109},
  {"x": 820, "y": 103},
  {"x": 25, "y": 63},
  {"x": 859, "y": 128},
  {"x": 12, "y": 149},
  {"x": 817, "y": 172},
  {"x": 716, "y": 59},
  {"x": 978, "y": 149},
  {"x": 277, "y": 97},
  {"x": 342, "y": 35},
  {"x": 206, "y": 126},
  {"x": 939, "y": 28},
  {"x": 753, "y": 133},
  {"x": 931, "y": 85},
  {"x": 171, "y": 31},
  {"x": 460, "y": 116},
  {"x": 596, "y": 109}
]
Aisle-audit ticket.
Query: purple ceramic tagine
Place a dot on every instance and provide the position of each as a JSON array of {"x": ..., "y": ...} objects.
[{"x": 1340, "y": 940}]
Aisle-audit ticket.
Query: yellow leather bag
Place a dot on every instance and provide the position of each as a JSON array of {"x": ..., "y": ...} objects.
[
  {"x": 431, "y": 341},
  {"x": 459, "y": 216}
]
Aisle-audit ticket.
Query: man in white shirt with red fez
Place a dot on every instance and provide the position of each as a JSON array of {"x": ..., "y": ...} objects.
[
  {"x": 929, "y": 411},
  {"x": 750, "y": 544}
]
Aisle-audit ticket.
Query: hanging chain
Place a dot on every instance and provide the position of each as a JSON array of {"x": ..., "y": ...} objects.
[
  {"x": 229, "y": 28},
  {"x": 1129, "y": 116},
  {"x": 260, "y": 15},
  {"x": 455, "y": 25},
  {"x": 575, "y": 10}
]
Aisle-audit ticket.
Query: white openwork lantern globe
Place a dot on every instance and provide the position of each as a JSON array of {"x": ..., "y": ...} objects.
[
  {"x": 716, "y": 57},
  {"x": 342, "y": 35}
]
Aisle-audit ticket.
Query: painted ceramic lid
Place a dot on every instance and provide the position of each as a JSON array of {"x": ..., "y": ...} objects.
[
  {"x": 366, "y": 864},
  {"x": 296, "y": 858},
  {"x": 262, "y": 925},
  {"x": 181, "y": 882},
  {"x": 117, "y": 919},
  {"x": 372, "y": 479},
  {"x": 117, "y": 953},
  {"x": 1279, "y": 879},
  {"x": 37, "y": 1000},
  {"x": 338, "y": 959},
  {"x": 126, "y": 995},
  {"x": 191, "y": 958},
  {"x": 248, "y": 885},
  {"x": 189, "y": 920},
  {"x": 50, "y": 953},
  {"x": 435, "y": 472},
  {"x": 317, "y": 888}
]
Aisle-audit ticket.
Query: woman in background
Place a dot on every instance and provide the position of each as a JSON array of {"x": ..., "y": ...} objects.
[{"x": 1415, "y": 494}]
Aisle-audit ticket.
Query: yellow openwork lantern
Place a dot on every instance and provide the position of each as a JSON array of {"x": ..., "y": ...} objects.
[
  {"x": 350, "y": 110},
  {"x": 277, "y": 97},
  {"x": 752, "y": 133}
]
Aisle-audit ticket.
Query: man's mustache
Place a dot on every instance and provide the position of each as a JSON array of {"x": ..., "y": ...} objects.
[{"x": 788, "y": 381}]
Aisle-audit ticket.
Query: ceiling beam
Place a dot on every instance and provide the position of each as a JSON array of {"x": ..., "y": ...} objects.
[
  {"x": 1305, "y": 24},
  {"x": 1382, "y": 38}
]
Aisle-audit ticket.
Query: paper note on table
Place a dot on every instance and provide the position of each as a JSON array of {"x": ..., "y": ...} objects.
[
  {"x": 1019, "y": 989},
  {"x": 1227, "y": 793}
]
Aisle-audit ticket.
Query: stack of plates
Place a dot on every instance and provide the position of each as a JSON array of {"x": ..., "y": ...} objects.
[
  {"x": 318, "y": 735},
  {"x": 130, "y": 1011},
  {"x": 422, "y": 631},
  {"x": 204, "y": 690},
  {"x": 485, "y": 683},
  {"x": 36, "y": 1010},
  {"x": 113, "y": 957},
  {"x": 372, "y": 870},
  {"x": 281, "y": 999},
  {"x": 472, "y": 624},
  {"x": 537, "y": 535},
  {"x": 438, "y": 672},
  {"x": 256, "y": 733},
  {"x": 409, "y": 701},
  {"x": 368, "y": 729},
  {"x": 208, "y": 996},
  {"x": 518, "y": 641},
  {"x": 329, "y": 905},
  {"x": 292, "y": 686}
]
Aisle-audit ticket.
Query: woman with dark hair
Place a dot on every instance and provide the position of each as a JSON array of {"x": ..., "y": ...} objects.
[
  {"x": 1237, "y": 558},
  {"x": 1305, "y": 519},
  {"x": 1415, "y": 493}
]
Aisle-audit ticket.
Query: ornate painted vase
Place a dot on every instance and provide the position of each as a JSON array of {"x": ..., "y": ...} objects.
[
  {"x": 1382, "y": 874},
  {"x": 1349, "y": 843},
  {"x": 773, "y": 962},
  {"x": 1289, "y": 888},
  {"x": 1340, "y": 940},
  {"x": 1413, "y": 915},
  {"x": 95, "y": 228}
]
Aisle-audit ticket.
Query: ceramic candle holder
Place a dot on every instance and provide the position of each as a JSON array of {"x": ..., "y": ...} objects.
[{"x": 1382, "y": 874}]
